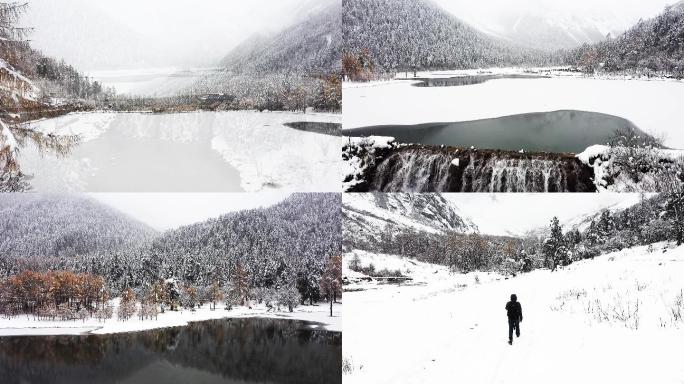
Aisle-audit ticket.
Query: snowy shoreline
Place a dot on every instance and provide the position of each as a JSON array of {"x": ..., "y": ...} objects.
[{"x": 23, "y": 325}]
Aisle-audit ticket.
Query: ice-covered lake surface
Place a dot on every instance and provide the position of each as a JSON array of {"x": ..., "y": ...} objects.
[
  {"x": 558, "y": 131},
  {"x": 652, "y": 105},
  {"x": 216, "y": 351},
  {"x": 199, "y": 151}
]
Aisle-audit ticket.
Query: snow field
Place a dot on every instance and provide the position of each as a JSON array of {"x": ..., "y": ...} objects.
[{"x": 454, "y": 329}]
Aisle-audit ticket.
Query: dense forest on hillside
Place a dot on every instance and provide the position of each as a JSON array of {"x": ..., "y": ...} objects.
[
  {"x": 653, "y": 46},
  {"x": 289, "y": 244},
  {"x": 396, "y": 36}
]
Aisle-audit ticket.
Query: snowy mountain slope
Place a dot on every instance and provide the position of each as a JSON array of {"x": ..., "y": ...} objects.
[
  {"x": 548, "y": 27},
  {"x": 596, "y": 313},
  {"x": 419, "y": 34},
  {"x": 652, "y": 45},
  {"x": 68, "y": 225},
  {"x": 310, "y": 46},
  {"x": 106, "y": 43},
  {"x": 368, "y": 214},
  {"x": 582, "y": 221},
  {"x": 300, "y": 231}
]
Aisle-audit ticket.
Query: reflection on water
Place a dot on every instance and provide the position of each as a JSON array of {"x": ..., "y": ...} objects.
[
  {"x": 559, "y": 131},
  {"x": 217, "y": 351},
  {"x": 459, "y": 81},
  {"x": 331, "y": 129}
]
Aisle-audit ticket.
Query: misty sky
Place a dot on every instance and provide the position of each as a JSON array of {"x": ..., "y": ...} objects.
[
  {"x": 163, "y": 211},
  {"x": 514, "y": 213},
  {"x": 109, "y": 35},
  {"x": 488, "y": 13}
]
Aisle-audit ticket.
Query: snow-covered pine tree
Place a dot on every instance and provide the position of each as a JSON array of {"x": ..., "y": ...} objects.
[{"x": 555, "y": 249}]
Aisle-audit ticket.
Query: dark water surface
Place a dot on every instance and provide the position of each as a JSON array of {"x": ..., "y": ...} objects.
[
  {"x": 331, "y": 129},
  {"x": 216, "y": 351},
  {"x": 459, "y": 81},
  {"x": 559, "y": 131}
]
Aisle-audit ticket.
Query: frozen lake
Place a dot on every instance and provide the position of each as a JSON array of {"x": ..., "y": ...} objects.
[
  {"x": 653, "y": 106},
  {"x": 200, "y": 152}
]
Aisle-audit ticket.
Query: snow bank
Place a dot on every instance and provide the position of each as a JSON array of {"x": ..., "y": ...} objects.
[
  {"x": 7, "y": 139},
  {"x": 26, "y": 325},
  {"x": 608, "y": 177},
  {"x": 87, "y": 126},
  {"x": 359, "y": 153}
]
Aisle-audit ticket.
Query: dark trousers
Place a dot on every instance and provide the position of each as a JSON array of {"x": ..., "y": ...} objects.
[{"x": 513, "y": 324}]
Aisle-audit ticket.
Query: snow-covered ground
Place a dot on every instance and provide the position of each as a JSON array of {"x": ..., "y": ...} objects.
[
  {"x": 607, "y": 320},
  {"x": 653, "y": 106},
  {"x": 27, "y": 325},
  {"x": 199, "y": 151}
]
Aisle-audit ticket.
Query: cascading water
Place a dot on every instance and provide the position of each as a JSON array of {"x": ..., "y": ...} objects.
[
  {"x": 421, "y": 169},
  {"x": 413, "y": 172}
]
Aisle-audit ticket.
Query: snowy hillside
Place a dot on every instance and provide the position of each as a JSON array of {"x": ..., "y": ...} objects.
[
  {"x": 124, "y": 47},
  {"x": 419, "y": 34},
  {"x": 55, "y": 225},
  {"x": 551, "y": 26},
  {"x": 618, "y": 317},
  {"x": 653, "y": 46},
  {"x": 369, "y": 214},
  {"x": 311, "y": 46}
]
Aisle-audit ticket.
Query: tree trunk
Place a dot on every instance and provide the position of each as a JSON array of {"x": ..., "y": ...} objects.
[{"x": 331, "y": 308}]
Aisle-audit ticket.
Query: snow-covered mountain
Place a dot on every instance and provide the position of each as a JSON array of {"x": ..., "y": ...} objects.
[
  {"x": 551, "y": 28},
  {"x": 69, "y": 225},
  {"x": 420, "y": 34},
  {"x": 312, "y": 45},
  {"x": 96, "y": 41},
  {"x": 651, "y": 45},
  {"x": 367, "y": 214}
]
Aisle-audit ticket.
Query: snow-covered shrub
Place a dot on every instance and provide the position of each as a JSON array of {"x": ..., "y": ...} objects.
[
  {"x": 289, "y": 297},
  {"x": 148, "y": 310},
  {"x": 189, "y": 297},
  {"x": 510, "y": 267},
  {"x": 104, "y": 312},
  {"x": 677, "y": 308},
  {"x": 127, "y": 305},
  {"x": 347, "y": 366}
]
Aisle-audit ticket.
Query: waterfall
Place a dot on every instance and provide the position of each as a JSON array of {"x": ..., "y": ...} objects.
[
  {"x": 426, "y": 170},
  {"x": 412, "y": 171}
]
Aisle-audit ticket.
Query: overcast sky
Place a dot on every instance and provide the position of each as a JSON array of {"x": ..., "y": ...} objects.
[
  {"x": 512, "y": 213},
  {"x": 487, "y": 13},
  {"x": 108, "y": 34},
  {"x": 163, "y": 211}
]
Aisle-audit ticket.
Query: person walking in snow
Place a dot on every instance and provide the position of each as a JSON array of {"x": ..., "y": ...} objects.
[{"x": 514, "y": 312}]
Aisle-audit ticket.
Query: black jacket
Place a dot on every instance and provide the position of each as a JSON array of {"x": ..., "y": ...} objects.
[{"x": 514, "y": 310}]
